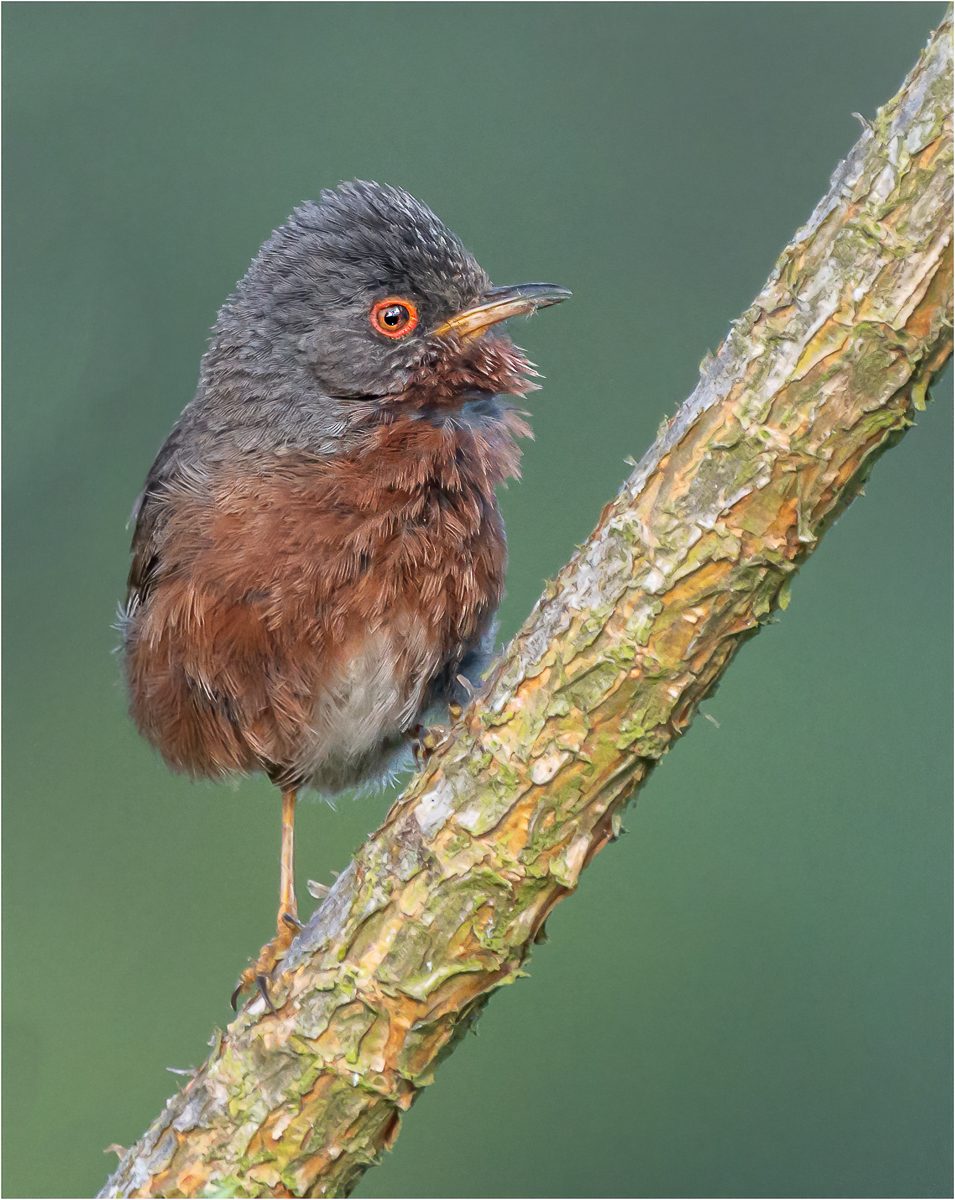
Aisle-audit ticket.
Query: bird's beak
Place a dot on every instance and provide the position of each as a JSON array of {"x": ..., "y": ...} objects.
[{"x": 498, "y": 304}]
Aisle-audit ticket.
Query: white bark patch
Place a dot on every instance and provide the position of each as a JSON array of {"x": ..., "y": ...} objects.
[
  {"x": 566, "y": 867},
  {"x": 434, "y": 808},
  {"x": 544, "y": 768}
]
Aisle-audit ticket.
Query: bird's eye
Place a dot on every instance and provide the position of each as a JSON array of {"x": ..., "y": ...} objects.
[{"x": 394, "y": 317}]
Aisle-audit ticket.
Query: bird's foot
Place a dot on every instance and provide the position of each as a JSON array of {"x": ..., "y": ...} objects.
[
  {"x": 257, "y": 974},
  {"x": 426, "y": 740}
]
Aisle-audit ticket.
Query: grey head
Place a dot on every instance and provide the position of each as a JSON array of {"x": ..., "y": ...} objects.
[
  {"x": 345, "y": 303},
  {"x": 310, "y": 291}
]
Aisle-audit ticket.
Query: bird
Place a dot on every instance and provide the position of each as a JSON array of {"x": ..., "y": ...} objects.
[{"x": 318, "y": 552}]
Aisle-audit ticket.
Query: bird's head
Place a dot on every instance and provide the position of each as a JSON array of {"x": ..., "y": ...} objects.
[{"x": 375, "y": 298}]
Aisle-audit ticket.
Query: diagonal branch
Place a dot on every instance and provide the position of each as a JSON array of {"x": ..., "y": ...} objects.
[{"x": 442, "y": 904}]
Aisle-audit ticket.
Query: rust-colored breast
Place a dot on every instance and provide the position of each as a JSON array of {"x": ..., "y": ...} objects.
[{"x": 298, "y": 616}]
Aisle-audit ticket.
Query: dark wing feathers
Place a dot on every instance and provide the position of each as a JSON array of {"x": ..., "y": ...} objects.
[{"x": 167, "y": 473}]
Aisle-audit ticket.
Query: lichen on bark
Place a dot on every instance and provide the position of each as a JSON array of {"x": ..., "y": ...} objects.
[{"x": 441, "y": 905}]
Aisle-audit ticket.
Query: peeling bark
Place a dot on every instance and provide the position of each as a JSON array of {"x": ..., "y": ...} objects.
[{"x": 441, "y": 905}]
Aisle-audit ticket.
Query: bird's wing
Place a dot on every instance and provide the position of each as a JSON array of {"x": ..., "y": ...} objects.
[
  {"x": 167, "y": 474},
  {"x": 144, "y": 549}
]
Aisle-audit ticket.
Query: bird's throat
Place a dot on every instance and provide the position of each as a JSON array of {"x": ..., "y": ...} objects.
[{"x": 474, "y": 375}]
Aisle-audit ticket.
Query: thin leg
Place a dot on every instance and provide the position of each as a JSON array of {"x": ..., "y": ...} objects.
[
  {"x": 287, "y": 923},
  {"x": 288, "y": 907}
]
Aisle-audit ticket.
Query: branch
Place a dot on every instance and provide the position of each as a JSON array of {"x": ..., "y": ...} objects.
[{"x": 442, "y": 904}]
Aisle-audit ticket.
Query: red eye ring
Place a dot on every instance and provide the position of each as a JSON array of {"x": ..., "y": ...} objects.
[{"x": 394, "y": 317}]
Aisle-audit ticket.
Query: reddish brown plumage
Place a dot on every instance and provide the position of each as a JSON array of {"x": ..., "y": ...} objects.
[
  {"x": 318, "y": 553},
  {"x": 259, "y": 590}
]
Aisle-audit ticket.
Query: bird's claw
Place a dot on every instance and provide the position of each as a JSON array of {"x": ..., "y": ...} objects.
[
  {"x": 426, "y": 741},
  {"x": 258, "y": 973},
  {"x": 263, "y": 985}
]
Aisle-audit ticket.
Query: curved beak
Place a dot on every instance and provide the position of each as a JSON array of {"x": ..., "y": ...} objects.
[{"x": 499, "y": 303}]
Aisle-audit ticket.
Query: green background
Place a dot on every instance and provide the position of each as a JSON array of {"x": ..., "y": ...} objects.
[{"x": 749, "y": 995}]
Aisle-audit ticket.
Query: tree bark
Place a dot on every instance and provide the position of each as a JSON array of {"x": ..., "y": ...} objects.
[{"x": 442, "y": 904}]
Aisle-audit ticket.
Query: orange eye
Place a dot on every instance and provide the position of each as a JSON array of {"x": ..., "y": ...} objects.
[{"x": 394, "y": 317}]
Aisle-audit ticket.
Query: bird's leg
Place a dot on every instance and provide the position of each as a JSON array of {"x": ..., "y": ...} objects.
[
  {"x": 288, "y": 907},
  {"x": 287, "y": 922}
]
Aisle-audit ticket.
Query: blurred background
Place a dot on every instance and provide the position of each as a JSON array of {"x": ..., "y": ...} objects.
[{"x": 749, "y": 995}]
